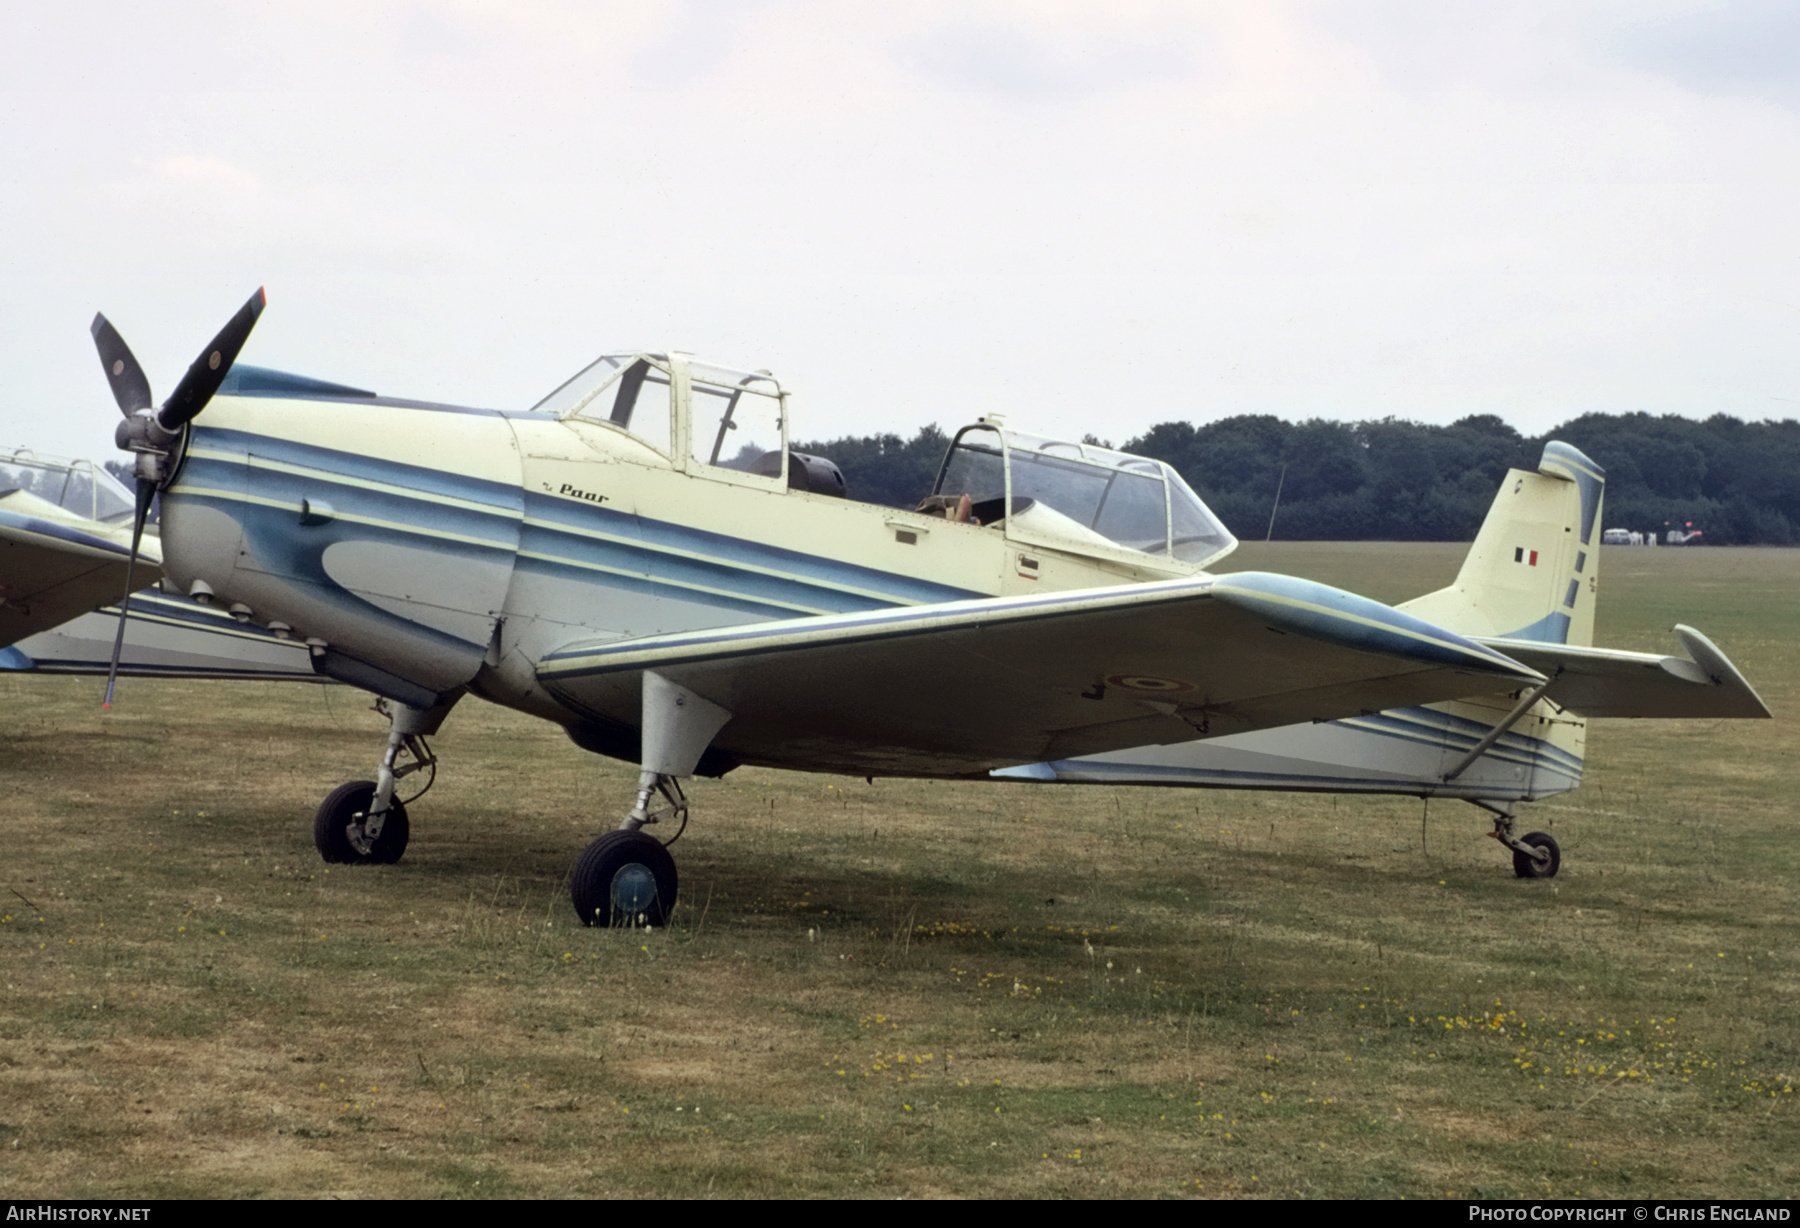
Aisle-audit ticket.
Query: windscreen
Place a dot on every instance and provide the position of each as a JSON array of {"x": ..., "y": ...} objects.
[{"x": 629, "y": 391}]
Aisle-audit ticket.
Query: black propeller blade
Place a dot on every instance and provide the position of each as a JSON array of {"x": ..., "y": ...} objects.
[
  {"x": 209, "y": 370},
  {"x": 150, "y": 437},
  {"x": 146, "y": 494},
  {"x": 131, "y": 388}
]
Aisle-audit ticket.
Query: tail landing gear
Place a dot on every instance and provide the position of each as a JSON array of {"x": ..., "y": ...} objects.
[
  {"x": 1542, "y": 862},
  {"x": 1535, "y": 855}
]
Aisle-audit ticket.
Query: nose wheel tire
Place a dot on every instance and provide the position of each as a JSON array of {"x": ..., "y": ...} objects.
[
  {"x": 1527, "y": 866},
  {"x": 338, "y": 828},
  {"x": 624, "y": 878}
]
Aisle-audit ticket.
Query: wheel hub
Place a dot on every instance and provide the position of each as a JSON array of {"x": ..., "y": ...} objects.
[{"x": 633, "y": 889}]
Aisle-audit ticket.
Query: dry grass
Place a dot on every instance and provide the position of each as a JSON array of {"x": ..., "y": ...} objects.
[{"x": 905, "y": 988}]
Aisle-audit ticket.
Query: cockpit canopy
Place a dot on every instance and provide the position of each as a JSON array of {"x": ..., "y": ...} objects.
[
  {"x": 1081, "y": 496},
  {"x": 682, "y": 408},
  {"x": 1072, "y": 496},
  {"x": 629, "y": 391},
  {"x": 75, "y": 486}
]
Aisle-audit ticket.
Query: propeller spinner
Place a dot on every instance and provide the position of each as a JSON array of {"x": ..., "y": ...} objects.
[{"x": 151, "y": 434}]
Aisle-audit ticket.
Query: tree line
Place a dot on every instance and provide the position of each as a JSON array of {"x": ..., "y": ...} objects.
[{"x": 1394, "y": 480}]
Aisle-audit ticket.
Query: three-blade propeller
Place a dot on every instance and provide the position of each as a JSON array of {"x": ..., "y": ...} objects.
[{"x": 152, "y": 434}]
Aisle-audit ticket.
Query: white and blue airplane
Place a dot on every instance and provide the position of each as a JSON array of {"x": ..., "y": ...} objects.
[{"x": 615, "y": 560}]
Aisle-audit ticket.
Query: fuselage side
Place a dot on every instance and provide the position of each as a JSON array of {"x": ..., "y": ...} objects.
[{"x": 456, "y": 548}]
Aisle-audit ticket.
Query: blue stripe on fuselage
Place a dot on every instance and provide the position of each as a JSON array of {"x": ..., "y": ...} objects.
[
  {"x": 333, "y": 463},
  {"x": 1460, "y": 733},
  {"x": 1296, "y": 782},
  {"x": 637, "y": 553},
  {"x": 660, "y": 549},
  {"x": 627, "y": 582}
]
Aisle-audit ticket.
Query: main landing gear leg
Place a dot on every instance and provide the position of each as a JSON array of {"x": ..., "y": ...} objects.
[
  {"x": 1535, "y": 854},
  {"x": 627, "y": 877},
  {"x": 363, "y": 823}
]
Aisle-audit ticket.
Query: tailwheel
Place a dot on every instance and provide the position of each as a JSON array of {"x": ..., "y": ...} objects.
[
  {"x": 1544, "y": 864},
  {"x": 346, "y": 835},
  {"x": 624, "y": 878}
]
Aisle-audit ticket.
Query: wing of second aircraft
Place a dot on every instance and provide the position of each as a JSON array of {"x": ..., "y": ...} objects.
[
  {"x": 61, "y": 575},
  {"x": 962, "y": 687},
  {"x": 54, "y": 567}
]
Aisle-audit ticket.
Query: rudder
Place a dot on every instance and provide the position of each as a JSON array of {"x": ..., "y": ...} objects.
[{"x": 1533, "y": 571}]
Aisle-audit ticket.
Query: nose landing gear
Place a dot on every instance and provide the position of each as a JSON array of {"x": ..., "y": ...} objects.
[{"x": 347, "y": 834}]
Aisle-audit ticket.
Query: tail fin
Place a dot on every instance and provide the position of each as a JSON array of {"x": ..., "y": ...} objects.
[{"x": 1533, "y": 572}]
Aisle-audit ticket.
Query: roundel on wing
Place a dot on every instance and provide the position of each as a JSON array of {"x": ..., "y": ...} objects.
[{"x": 1149, "y": 683}]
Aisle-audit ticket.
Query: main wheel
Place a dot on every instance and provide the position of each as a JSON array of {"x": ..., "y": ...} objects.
[
  {"x": 1527, "y": 866},
  {"x": 346, "y": 805},
  {"x": 624, "y": 878}
]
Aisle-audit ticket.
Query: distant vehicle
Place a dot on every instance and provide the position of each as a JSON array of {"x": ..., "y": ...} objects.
[
  {"x": 1621, "y": 537},
  {"x": 1679, "y": 537}
]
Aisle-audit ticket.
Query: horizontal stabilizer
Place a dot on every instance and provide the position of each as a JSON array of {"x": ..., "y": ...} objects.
[{"x": 1606, "y": 682}]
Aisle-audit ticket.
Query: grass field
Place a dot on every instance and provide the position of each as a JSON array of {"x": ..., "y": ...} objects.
[{"x": 903, "y": 988}]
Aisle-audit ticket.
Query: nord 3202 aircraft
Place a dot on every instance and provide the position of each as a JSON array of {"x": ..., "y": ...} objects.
[{"x": 641, "y": 559}]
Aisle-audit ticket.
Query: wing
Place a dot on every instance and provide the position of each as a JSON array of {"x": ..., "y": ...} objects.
[
  {"x": 167, "y": 637},
  {"x": 962, "y": 687},
  {"x": 1607, "y": 682},
  {"x": 54, "y": 567}
]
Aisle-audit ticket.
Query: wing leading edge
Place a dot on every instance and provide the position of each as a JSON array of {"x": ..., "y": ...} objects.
[{"x": 962, "y": 687}]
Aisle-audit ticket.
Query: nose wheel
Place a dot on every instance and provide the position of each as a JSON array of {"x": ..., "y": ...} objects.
[{"x": 363, "y": 823}]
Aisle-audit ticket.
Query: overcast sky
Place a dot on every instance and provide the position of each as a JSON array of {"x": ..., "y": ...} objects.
[{"x": 1092, "y": 218}]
